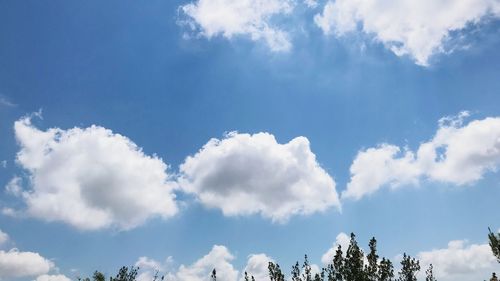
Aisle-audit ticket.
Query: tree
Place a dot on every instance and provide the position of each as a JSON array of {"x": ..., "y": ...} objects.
[
  {"x": 494, "y": 244},
  {"x": 275, "y": 273},
  {"x": 296, "y": 272},
  {"x": 371, "y": 268},
  {"x": 98, "y": 276},
  {"x": 213, "y": 276},
  {"x": 126, "y": 274},
  {"x": 353, "y": 266},
  {"x": 429, "y": 275},
  {"x": 338, "y": 264},
  {"x": 249, "y": 277},
  {"x": 307, "y": 275},
  {"x": 409, "y": 268},
  {"x": 385, "y": 270}
]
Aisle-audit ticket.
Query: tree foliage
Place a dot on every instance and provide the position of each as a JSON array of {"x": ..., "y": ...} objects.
[
  {"x": 353, "y": 265},
  {"x": 494, "y": 244},
  {"x": 429, "y": 274},
  {"x": 409, "y": 269}
]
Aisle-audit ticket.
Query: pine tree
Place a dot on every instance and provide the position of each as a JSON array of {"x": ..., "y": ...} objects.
[
  {"x": 429, "y": 274},
  {"x": 98, "y": 276},
  {"x": 386, "y": 270},
  {"x": 372, "y": 268},
  {"x": 353, "y": 266},
  {"x": 495, "y": 244},
  {"x": 275, "y": 273},
  {"x": 410, "y": 268},
  {"x": 307, "y": 275},
  {"x": 296, "y": 272}
]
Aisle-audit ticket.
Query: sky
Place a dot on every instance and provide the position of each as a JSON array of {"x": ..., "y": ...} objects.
[{"x": 180, "y": 136}]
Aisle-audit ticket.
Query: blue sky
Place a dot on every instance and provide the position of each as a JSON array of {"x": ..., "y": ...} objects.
[{"x": 168, "y": 77}]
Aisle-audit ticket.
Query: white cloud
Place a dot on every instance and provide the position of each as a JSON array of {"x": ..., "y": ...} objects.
[
  {"x": 91, "y": 178},
  {"x": 460, "y": 261},
  {"x": 457, "y": 154},
  {"x": 6, "y": 102},
  {"x": 219, "y": 258},
  {"x": 4, "y": 237},
  {"x": 149, "y": 267},
  {"x": 343, "y": 240},
  {"x": 246, "y": 174},
  {"x": 407, "y": 27},
  {"x": 311, "y": 3},
  {"x": 257, "y": 266},
  {"x": 15, "y": 264},
  {"x": 58, "y": 277},
  {"x": 230, "y": 18},
  {"x": 14, "y": 186}
]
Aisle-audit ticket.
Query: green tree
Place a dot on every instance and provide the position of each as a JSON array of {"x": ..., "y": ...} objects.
[
  {"x": 385, "y": 270},
  {"x": 320, "y": 276},
  {"x": 335, "y": 270},
  {"x": 126, "y": 274},
  {"x": 296, "y": 272},
  {"x": 494, "y": 244},
  {"x": 307, "y": 275},
  {"x": 98, "y": 276},
  {"x": 409, "y": 268},
  {"x": 429, "y": 274},
  {"x": 353, "y": 265},
  {"x": 275, "y": 273},
  {"x": 371, "y": 268}
]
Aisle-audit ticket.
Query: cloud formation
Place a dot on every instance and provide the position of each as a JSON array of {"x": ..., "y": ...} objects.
[
  {"x": 16, "y": 264},
  {"x": 231, "y": 18},
  {"x": 257, "y": 266},
  {"x": 4, "y": 237},
  {"x": 245, "y": 174},
  {"x": 341, "y": 240},
  {"x": 219, "y": 257},
  {"x": 91, "y": 178},
  {"x": 460, "y": 261},
  {"x": 58, "y": 277},
  {"x": 419, "y": 29},
  {"x": 458, "y": 154}
]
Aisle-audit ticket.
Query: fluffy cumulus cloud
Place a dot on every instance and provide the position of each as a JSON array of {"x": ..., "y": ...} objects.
[
  {"x": 342, "y": 240},
  {"x": 257, "y": 266},
  {"x": 230, "y": 18},
  {"x": 460, "y": 261},
  {"x": 408, "y": 27},
  {"x": 58, "y": 277},
  {"x": 91, "y": 178},
  {"x": 16, "y": 264},
  {"x": 458, "y": 154},
  {"x": 150, "y": 267},
  {"x": 219, "y": 257},
  {"x": 247, "y": 174}
]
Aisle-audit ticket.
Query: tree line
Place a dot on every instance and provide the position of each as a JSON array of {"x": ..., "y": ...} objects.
[{"x": 353, "y": 265}]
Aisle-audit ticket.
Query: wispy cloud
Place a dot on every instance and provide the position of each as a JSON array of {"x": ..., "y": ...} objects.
[{"x": 4, "y": 101}]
